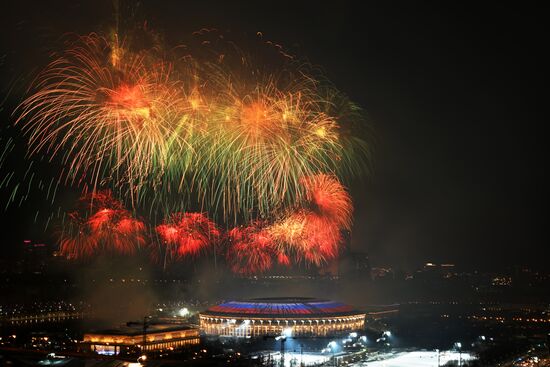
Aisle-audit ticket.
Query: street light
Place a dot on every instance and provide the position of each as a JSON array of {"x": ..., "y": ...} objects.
[
  {"x": 332, "y": 345},
  {"x": 145, "y": 326},
  {"x": 459, "y": 347},
  {"x": 287, "y": 333},
  {"x": 385, "y": 337},
  {"x": 141, "y": 359}
]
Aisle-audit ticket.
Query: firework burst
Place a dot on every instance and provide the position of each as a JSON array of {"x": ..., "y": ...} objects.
[
  {"x": 329, "y": 199},
  {"x": 268, "y": 132},
  {"x": 101, "y": 225},
  {"x": 314, "y": 233},
  {"x": 251, "y": 249},
  {"x": 112, "y": 119},
  {"x": 187, "y": 234}
]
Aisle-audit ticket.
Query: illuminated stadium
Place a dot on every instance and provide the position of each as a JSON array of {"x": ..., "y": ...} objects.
[{"x": 281, "y": 316}]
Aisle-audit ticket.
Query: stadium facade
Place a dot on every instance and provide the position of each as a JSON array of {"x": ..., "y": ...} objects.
[{"x": 281, "y": 316}]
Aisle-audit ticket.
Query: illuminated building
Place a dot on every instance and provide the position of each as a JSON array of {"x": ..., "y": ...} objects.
[
  {"x": 277, "y": 316},
  {"x": 158, "y": 337}
]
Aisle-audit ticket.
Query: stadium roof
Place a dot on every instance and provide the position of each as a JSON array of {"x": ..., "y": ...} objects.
[{"x": 281, "y": 307}]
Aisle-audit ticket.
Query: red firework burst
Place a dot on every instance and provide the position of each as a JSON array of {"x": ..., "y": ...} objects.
[
  {"x": 314, "y": 234},
  {"x": 128, "y": 234},
  {"x": 101, "y": 225},
  {"x": 187, "y": 234},
  {"x": 321, "y": 241},
  {"x": 328, "y": 198},
  {"x": 251, "y": 249},
  {"x": 76, "y": 241},
  {"x": 283, "y": 259},
  {"x": 307, "y": 236}
]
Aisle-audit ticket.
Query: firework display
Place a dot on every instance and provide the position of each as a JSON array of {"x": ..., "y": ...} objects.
[{"x": 196, "y": 135}]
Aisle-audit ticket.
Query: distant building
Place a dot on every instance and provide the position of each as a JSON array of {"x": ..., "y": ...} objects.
[
  {"x": 355, "y": 265},
  {"x": 157, "y": 337},
  {"x": 35, "y": 256},
  {"x": 432, "y": 271},
  {"x": 382, "y": 273}
]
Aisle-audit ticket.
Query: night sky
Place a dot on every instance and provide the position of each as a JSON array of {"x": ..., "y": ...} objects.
[{"x": 450, "y": 91}]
